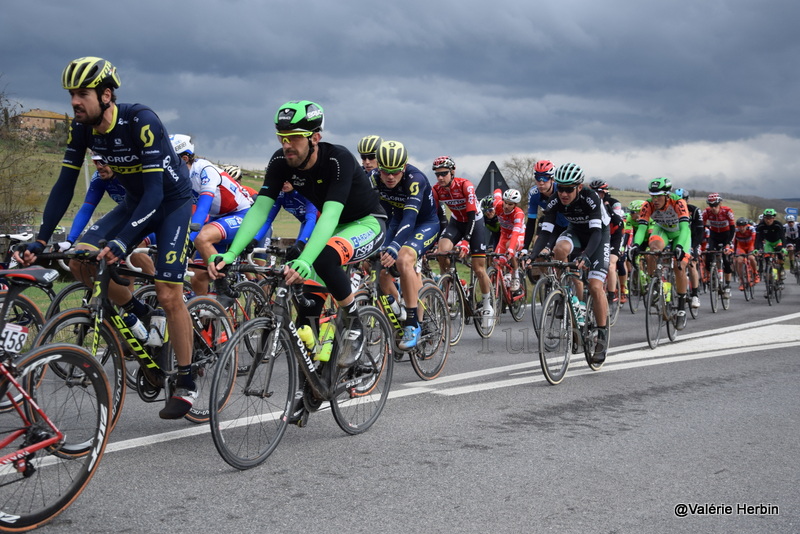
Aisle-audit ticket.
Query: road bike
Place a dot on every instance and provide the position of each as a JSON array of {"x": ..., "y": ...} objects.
[
  {"x": 253, "y": 408},
  {"x": 429, "y": 356},
  {"x": 661, "y": 299},
  {"x": 504, "y": 297},
  {"x": 716, "y": 277},
  {"x": 774, "y": 286},
  {"x": 147, "y": 368},
  {"x": 562, "y": 333},
  {"x": 462, "y": 299},
  {"x": 54, "y": 417},
  {"x": 747, "y": 276}
]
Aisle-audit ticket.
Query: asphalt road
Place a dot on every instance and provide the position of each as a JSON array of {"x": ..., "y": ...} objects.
[{"x": 699, "y": 435}]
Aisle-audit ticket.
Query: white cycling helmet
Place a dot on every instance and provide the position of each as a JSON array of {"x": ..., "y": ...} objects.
[
  {"x": 234, "y": 171},
  {"x": 182, "y": 143},
  {"x": 512, "y": 195},
  {"x": 790, "y": 218}
]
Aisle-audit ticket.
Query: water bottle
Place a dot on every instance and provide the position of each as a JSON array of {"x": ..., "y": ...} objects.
[
  {"x": 158, "y": 328},
  {"x": 580, "y": 310},
  {"x": 668, "y": 291},
  {"x": 136, "y": 326},
  {"x": 398, "y": 310},
  {"x": 307, "y": 335},
  {"x": 326, "y": 331},
  {"x": 507, "y": 279}
]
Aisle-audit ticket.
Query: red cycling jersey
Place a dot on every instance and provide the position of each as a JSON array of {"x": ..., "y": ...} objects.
[
  {"x": 720, "y": 222},
  {"x": 459, "y": 197},
  {"x": 744, "y": 241}
]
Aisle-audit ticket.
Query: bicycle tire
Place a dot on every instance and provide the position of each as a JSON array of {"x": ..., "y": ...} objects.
[
  {"x": 430, "y": 355},
  {"x": 714, "y": 285},
  {"x": 540, "y": 291},
  {"x": 74, "y": 295},
  {"x": 614, "y": 305},
  {"x": 654, "y": 318},
  {"x": 455, "y": 306},
  {"x": 483, "y": 331},
  {"x": 555, "y": 337},
  {"x": 519, "y": 301},
  {"x": 212, "y": 329},
  {"x": 746, "y": 281},
  {"x": 24, "y": 312},
  {"x": 671, "y": 309},
  {"x": 254, "y": 406},
  {"x": 76, "y": 326},
  {"x": 251, "y": 303},
  {"x": 356, "y": 408},
  {"x": 498, "y": 292},
  {"x": 634, "y": 290},
  {"x": 589, "y": 334},
  {"x": 58, "y": 474},
  {"x": 768, "y": 283}
]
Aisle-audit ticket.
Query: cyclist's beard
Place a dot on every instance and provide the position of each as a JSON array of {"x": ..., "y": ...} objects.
[{"x": 90, "y": 120}]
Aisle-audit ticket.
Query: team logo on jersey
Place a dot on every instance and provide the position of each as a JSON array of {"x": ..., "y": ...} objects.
[{"x": 147, "y": 136}]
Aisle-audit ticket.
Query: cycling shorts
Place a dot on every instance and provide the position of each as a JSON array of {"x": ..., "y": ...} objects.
[
  {"x": 503, "y": 244},
  {"x": 455, "y": 231},
  {"x": 599, "y": 260}
]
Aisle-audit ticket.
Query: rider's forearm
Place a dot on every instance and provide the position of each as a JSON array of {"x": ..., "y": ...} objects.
[{"x": 323, "y": 231}]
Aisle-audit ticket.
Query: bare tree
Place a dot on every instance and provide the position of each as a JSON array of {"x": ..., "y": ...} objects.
[
  {"x": 518, "y": 172},
  {"x": 17, "y": 168}
]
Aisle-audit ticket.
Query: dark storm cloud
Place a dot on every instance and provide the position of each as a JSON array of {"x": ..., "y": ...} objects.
[{"x": 601, "y": 83}]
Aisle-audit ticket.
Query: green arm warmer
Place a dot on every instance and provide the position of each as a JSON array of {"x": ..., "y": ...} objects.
[
  {"x": 252, "y": 223},
  {"x": 685, "y": 236},
  {"x": 640, "y": 233},
  {"x": 323, "y": 231}
]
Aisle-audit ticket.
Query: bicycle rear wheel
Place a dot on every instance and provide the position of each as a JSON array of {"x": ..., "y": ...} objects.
[
  {"x": 364, "y": 388},
  {"x": 77, "y": 326},
  {"x": 555, "y": 337},
  {"x": 654, "y": 318},
  {"x": 519, "y": 300},
  {"x": 212, "y": 329},
  {"x": 430, "y": 354},
  {"x": 45, "y": 484},
  {"x": 589, "y": 334},
  {"x": 24, "y": 312},
  {"x": 252, "y": 407},
  {"x": 455, "y": 306},
  {"x": 614, "y": 304}
]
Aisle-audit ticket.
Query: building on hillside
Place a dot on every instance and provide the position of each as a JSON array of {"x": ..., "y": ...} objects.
[{"x": 40, "y": 120}]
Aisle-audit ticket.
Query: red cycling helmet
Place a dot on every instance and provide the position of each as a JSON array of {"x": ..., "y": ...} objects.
[
  {"x": 544, "y": 167},
  {"x": 714, "y": 199}
]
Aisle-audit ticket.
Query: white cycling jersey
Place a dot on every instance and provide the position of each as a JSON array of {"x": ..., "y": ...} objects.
[{"x": 209, "y": 179}]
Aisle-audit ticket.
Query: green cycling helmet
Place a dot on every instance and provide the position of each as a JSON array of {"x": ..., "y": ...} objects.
[
  {"x": 660, "y": 186},
  {"x": 569, "y": 174},
  {"x": 769, "y": 212},
  {"x": 636, "y": 205},
  {"x": 300, "y": 116}
]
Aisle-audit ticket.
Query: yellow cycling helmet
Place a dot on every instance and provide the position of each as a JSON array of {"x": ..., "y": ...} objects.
[
  {"x": 392, "y": 155},
  {"x": 89, "y": 72}
]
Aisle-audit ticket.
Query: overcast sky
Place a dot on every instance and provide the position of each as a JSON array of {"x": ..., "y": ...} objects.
[{"x": 704, "y": 92}]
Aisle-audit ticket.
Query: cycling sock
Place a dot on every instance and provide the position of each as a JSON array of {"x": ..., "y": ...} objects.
[
  {"x": 411, "y": 317},
  {"x": 136, "y": 307},
  {"x": 184, "y": 377}
]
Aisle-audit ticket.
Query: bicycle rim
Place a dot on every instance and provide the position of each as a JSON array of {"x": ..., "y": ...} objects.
[
  {"x": 430, "y": 355},
  {"x": 455, "y": 306},
  {"x": 555, "y": 337},
  {"x": 252, "y": 407},
  {"x": 654, "y": 317},
  {"x": 362, "y": 390},
  {"x": 519, "y": 300},
  {"x": 79, "y": 407}
]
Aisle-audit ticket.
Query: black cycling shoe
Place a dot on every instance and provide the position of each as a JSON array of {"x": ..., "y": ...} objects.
[
  {"x": 601, "y": 346},
  {"x": 299, "y": 415},
  {"x": 352, "y": 347}
]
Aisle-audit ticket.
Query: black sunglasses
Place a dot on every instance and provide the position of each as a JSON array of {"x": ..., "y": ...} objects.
[
  {"x": 367, "y": 156},
  {"x": 565, "y": 189},
  {"x": 442, "y": 173}
]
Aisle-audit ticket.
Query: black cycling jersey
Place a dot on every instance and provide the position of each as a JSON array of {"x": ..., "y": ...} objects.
[
  {"x": 587, "y": 218},
  {"x": 770, "y": 233},
  {"x": 696, "y": 225},
  {"x": 334, "y": 177},
  {"x": 138, "y": 150}
]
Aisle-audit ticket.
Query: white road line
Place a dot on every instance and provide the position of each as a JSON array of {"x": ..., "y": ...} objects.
[{"x": 707, "y": 344}]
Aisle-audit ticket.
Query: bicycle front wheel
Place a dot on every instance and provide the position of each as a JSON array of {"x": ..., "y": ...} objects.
[
  {"x": 455, "y": 306},
  {"x": 77, "y": 326},
  {"x": 45, "y": 483},
  {"x": 362, "y": 390},
  {"x": 714, "y": 288},
  {"x": 430, "y": 354},
  {"x": 252, "y": 407},
  {"x": 540, "y": 292},
  {"x": 614, "y": 304},
  {"x": 654, "y": 318},
  {"x": 74, "y": 295},
  {"x": 555, "y": 337}
]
